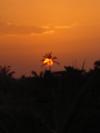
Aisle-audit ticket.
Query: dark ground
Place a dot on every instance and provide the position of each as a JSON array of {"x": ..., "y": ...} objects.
[{"x": 50, "y": 103}]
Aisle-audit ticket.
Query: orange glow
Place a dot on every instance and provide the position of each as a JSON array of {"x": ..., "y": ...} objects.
[
  {"x": 29, "y": 28},
  {"x": 48, "y": 62}
]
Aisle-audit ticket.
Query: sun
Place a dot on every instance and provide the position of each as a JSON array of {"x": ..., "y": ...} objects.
[{"x": 49, "y": 60}]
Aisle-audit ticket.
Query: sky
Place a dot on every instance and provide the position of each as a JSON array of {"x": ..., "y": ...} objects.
[{"x": 29, "y": 29}]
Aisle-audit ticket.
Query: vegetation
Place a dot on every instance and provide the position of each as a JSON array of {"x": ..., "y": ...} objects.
[{"x": 54, "y": 102}]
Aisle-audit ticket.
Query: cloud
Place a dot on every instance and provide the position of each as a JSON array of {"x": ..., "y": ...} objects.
[
  {"x": 63, "y": 27},
  {"x": 13, "y": 29},
  {"x": 59, "y": 27},
  {"x": 9, "y": 28}
]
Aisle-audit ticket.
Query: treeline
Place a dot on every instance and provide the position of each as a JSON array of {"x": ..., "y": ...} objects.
[{"x": 53, "y": 102}]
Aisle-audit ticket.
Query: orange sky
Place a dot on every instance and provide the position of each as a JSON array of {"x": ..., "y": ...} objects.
[{"x": 29, "y": 29}]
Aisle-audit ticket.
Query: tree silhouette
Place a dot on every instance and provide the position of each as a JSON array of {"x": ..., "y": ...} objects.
[
  {"x": 49, "y": 60},
  {"x": 97, "y": 64},
  {"x": 34, "y": 74},
  {"x": 5, "y": 71},
  {"x": 52, "y": 102}
]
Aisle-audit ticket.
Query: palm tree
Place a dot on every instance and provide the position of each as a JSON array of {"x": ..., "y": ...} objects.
[{"x": 49, "y": 60}]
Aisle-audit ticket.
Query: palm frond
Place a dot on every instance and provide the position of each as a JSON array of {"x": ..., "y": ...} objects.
[{"x": 54, "y": 58}]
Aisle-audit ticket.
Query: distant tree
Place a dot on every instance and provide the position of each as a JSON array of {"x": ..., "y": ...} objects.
[
  {"x": 49, "y": 60},
  {"x": 71, "y": 69},
  {"x": 5, "y": 71},
  {"x": 34, "y": 74},
  {"x": 75, "y": 74},
  {"x": 23, "y": 76},
  {"x": 83, "y": 65},
  {"x": 97, "y": 64}
]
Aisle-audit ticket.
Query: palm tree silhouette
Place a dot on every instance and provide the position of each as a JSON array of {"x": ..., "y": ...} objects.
[{"x": 49, "y": 60}]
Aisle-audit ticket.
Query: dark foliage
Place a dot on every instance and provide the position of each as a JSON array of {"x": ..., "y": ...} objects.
[{"x": 59, "y": 102}]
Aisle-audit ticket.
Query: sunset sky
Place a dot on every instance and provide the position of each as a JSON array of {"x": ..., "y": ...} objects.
[{"x": 31, "y": 28}]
